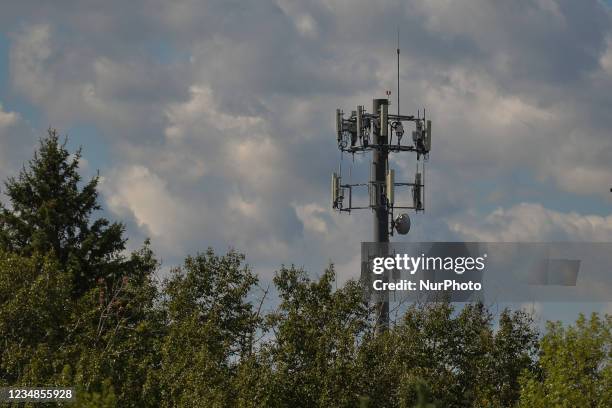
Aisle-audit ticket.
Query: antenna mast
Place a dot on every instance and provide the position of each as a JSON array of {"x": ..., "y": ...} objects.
[
  {"x": 398, "y": 73},
  {"x": 362, "y": 132}
]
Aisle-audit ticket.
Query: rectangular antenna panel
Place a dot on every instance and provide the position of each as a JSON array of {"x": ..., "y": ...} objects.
[
  {"x": 416, "y": 192},
  {"x": 335, "y": 189},
  {"x": 391, "y": 186},
  {"x": 339, "y": 124},
  {"x": 352, "y": 128},
  {"x": 384, "y": 126},
  {"x": 428, "y": 138},
  {"x": 373, "y": 187},
  {"x": 359, "y": 121}
]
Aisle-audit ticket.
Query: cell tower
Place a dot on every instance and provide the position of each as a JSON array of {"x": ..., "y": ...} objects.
[{"x": 381, "y": 133}]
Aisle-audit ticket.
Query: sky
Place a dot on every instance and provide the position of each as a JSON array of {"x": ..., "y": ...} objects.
[{"x": 212, "y": 122}]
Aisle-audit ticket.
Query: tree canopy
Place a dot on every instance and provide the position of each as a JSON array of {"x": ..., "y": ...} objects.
[
  {"x": 574, "y": 367},
  {"x": 78, "y": 310},
  {"x": 51, "y": 212}
]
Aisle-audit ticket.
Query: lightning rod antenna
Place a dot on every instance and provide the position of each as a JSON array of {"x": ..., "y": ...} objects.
[{"x": 398, "y": 73}]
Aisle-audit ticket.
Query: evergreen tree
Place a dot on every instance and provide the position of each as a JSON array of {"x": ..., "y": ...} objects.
[
  {"x": 51, "y": 212},
  {"x": 73, "y": 310}
]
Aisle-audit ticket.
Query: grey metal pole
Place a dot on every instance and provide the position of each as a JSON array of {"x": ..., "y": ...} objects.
[{"x": 381, "y": 217}]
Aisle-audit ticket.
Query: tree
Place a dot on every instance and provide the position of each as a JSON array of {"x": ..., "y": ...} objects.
[
  {"x": 33, "y": 313},
  {"x": 209, "y": 323},
  {"x": 455, "y": 356},
  {"x": 50, "y": 212},
  {"x": 102, "y": 343},
  {"x": 318, "y": 336},
  {"x": 309, "y": 360},
  {"x": 74, "y": 311},
  {"x": 574, "y": 368}
]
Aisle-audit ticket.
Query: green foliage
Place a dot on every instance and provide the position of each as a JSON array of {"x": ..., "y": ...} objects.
[
  {"x": 574, "y": 368},
  {"x": 105, "y": 398},
  {"x": 50, "y": 213},
  {"x": 48, "y": 338},
  {"x": 33, "y": 313},
  {"x": 435, "y": 355},
  {"x": 316, "y": 334},
  {"x": 209, "y": 324},
  {"x": 76, "y": 311}
]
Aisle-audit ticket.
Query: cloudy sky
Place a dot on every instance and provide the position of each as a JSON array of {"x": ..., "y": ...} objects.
[{"x": 211, "y": 122}]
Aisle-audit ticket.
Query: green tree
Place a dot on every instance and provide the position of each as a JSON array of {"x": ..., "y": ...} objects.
[
  {"x": 209, "y": 322},
  {"x": 74, "y": 311},
  {"x": 308, "y": 360},
  {"x": 456, "y": 356},
  {"x": 34, "y": 309},
  {"x": 103, "y": 342},
  {"x": 574, "y": 368},
  {"x": 115, "y": 331},
  {"x": 51, "y": 212}
]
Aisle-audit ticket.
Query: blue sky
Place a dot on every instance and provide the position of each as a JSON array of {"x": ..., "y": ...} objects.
[{"x": 212, "y": 122}]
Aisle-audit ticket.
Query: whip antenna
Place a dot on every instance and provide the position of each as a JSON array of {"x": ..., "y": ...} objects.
[{"x": 398, "y": 72}]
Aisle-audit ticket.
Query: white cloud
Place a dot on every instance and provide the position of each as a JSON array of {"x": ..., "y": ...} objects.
[
  {"x": 137, "y": 192},
  {"x": 606, "y": 57},
  {"x": 8, "y": 119},
  {"x": 310, "y": 215},
  {"x": 202, "y": 108},
  {"x": 16, "y": 142},
  {"x": 69, "y": 82},
  {"x": 304, "y": 22},
  {"x": 29, "y": 56},
  {"x": 219, "y": 119},
  {"x": 527, "y": 222}
]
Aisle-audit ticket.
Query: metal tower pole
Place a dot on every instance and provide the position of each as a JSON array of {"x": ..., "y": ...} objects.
[
  {"x": 363, "y": 131},
  {"x": 381, "y": 216}
]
